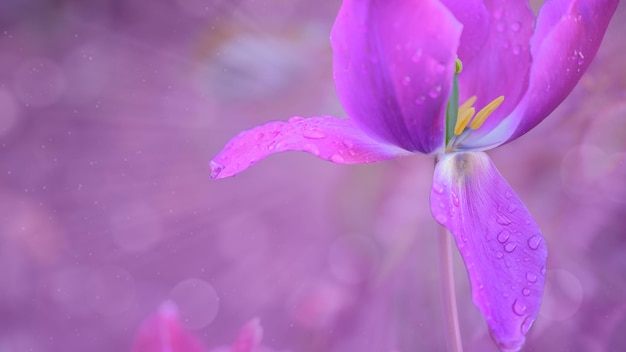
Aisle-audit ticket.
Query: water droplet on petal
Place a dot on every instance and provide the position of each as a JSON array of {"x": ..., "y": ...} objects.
[
  {"x": 313, "y": 133},
  {"x": 516, "y": 26},
  {"x": 543, "y": 271},
  {"x": 417, "y": 56},
  {"x": 259, "y": 136},
  {"x": 438, "y": 188},
  {"x": 503, "y": 220},
  {"x": 497, "y": 14},
  {"x": 531, "y": 277},
  {"x": 526, "y": 291},
  {"x": 420, "y": 100},
  {"x": 296, "y": 119},
  {"x": 336, "y": 158},
  {"x": 516, "y": 50},
  {"x": 499, "y": 255},
  {"x": 435, "y": 91},
  {"x": 311, "y": 148},
  {"x": 510, "y": 247},
  {"x": 526, "y": 325},
  {"x": 512, "y": 208},
  {"x": 519, "y": 308},
  {"x": 216, "y": 168},
  {"x": 348, "y": 143},
  {"x": 500, "y": 27},
  {"x": 439, "y": 68},
  {"x": 534, "y": 242},
  {"x": 441, "y": 218},
  {"x": 508, "y": 194},
  {"x": 406, "y": 80},
  {"x": 455, "y": 199},
  {"x": 503, "y": 236}
]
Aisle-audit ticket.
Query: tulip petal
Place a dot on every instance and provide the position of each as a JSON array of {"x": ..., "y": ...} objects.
[
  {"x": 249, "y": 337},
  {"x": 502, "y": 66},
  {"x": 474, "y": 17},
  {"x": 330, "y": 138},
  {"x": 163, "y": 332},
  {"x": 500, "y": 243},
  {"x": 393, "y": 67},
  {"x": 566, "y": 39}
]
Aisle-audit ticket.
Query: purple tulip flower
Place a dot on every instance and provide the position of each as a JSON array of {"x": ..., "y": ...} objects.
[{"x": 450, "y": 78}]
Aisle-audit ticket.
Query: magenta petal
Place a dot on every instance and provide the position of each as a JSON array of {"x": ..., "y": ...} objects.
[
  {"x": 249, "y": 338},
  {"x": 501, "y": 244},
  {"x": 474, "y": 17},
  {"x": 330, "y": 138},
  {"x": 163, "y": 332},
  {"x": 565, "y": 42},
  {"x": 502, "y": 65},
  {"x": 393, "y": 67}
]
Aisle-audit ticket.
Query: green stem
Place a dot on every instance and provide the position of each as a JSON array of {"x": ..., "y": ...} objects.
[{"x": 451, "y": 316}]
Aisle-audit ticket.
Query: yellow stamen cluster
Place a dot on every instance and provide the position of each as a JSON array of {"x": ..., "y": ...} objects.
[{"x": 466, "y": 114}]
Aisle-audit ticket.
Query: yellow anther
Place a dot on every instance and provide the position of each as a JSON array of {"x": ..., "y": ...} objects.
[
  {"x": 484, "y": 113},
  {"x": 467, "y": 104},
  {"x": 463, "y": 119}
]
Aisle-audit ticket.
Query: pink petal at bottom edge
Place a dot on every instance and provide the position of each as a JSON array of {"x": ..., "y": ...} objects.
[
  {"x": 330, "y": 138},
  {"x": 501, "y": 245},
  {"x": 163, "y": 332}
]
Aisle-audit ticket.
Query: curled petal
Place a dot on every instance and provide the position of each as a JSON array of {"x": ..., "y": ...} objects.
[
  {"x": 566, "y": 40},
  {"x": 393, "y": 63},
  {"x": 502, "y": 66},
  {"x": 500, "y": 243},
  {"x": 330, "y": 138},
  {"x": 474, "y": 17},
  {"x": 163, "y": 332}
]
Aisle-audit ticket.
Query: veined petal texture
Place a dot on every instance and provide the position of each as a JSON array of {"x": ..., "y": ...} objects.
[
  {"x": 501, "y": 245},
  {"x": 393, "y": 63},
  {"x": 335, "y": 139}
]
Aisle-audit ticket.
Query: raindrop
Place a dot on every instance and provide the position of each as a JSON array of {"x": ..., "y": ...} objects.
[
  {"x": 531, "y": 277},
  {"x": 526, "y": 325},
  {"x": 313, "y": 134},
  {"x": 543, "y": 271},
  {"x": 499, "y": 255},
  {"x": 503, "y": 236},
  {"x": 516, "y": 26},
  {"x": 441, "y": 218},
  {"x": 508, "y": 194},
  {"x": 438, "y": 188},
  {"x": 296, "y": 119},
  {"x": 216, "y": 169},
  {"x": 311, "y": 148},
  {"x": 455, "y": 199},
  {"x": 348, "y": 143},
  {"x": 497, "y": 14},
  {"x": 534, "y": 242},
  {"x": 439, "y": 68},
  {"x": 512, "y": 208},
  {"x": 519, "y": 308},
  {"x": 336, "y": 158},
  {"x": 526, "y": 291},
  {"x": 506, "y": 44},
  {"x": 406, "y": 80},
  {"x": 516, "y": 50},
  {"x": 510, "y": 247},
  {"x": 420, "y": 100},
  {"x": 259, "y": 136},
  {"x": 503, "y": 220},
  {"x": 500, "y": 27},
  {"x": 435, "y": 91}
]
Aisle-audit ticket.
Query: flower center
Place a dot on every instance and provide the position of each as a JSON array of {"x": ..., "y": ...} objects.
[{"x": 462, "y": 119}]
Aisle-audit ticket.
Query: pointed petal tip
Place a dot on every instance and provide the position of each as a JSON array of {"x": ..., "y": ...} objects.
[{"x": 216, "y": 169}]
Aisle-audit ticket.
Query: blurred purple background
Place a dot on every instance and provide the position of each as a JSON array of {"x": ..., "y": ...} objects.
[{"x": 109, "y": 114}]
